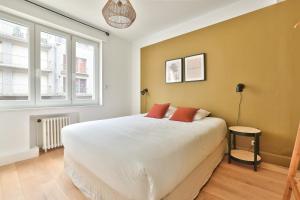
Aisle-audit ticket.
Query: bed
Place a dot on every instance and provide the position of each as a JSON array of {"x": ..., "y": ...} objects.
[{"x": 140, "y": 158}]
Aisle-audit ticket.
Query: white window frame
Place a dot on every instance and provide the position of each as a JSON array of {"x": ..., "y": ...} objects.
[
  {"x": 96, "y": 45},
  {"x": 34, "y": 99},
  {"x": 31, "y": 65},
  {"x": 52, "y": 102}
]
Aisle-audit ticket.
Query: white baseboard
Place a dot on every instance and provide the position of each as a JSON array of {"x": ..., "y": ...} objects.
[{"x": 9, "y": 159}]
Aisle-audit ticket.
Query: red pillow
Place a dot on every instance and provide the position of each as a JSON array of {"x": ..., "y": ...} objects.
[
  {"x": 158, "y": 111},
  {"x": 184, "y": 114}
]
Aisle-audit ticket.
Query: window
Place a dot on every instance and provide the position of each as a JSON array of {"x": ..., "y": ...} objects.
[
  {"x": 85, "y": 63},
  {"x": 53, "y": 63},
  {"x": 64, "y": 68},
  {"x": 81, "y": 65},
  {"x": 80, "y": 86},
  {"x": 86, "y": 54},
  {"x": 14, "y": 61}
]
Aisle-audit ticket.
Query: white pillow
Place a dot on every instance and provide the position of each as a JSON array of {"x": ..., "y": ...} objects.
[
  {"x": 170, "y": 111},
  {"x": 201, "y": 113}
]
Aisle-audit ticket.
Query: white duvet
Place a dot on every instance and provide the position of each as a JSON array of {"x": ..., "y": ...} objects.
[{"x": 142, "y": 158}]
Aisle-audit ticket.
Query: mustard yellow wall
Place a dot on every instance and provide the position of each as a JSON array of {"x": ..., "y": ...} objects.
[{"x": 261, "y": 50}]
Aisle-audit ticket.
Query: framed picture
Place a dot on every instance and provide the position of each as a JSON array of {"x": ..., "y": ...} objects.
[
  {"x": 194, "y": 68},
  {"x": 174, "y": 71}
]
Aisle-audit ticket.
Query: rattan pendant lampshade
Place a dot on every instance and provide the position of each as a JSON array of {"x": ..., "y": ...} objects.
[{"x": 119, "y": 13}]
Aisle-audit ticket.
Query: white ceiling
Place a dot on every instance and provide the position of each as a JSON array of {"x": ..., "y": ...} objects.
[{"x": 152, "y": 15}]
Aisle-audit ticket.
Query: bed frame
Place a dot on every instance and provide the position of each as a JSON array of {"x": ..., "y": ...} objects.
[{"x": 95, "y": 189}]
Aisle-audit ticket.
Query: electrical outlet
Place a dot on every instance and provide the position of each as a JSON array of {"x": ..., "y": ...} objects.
[{"x": 252, "y": 142}]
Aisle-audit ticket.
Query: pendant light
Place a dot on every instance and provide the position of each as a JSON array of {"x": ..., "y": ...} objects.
[{"x": 119, "y": 13}]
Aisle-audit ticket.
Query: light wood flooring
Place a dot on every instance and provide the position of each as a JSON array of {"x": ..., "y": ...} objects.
[{"x": 44, "y": 178}]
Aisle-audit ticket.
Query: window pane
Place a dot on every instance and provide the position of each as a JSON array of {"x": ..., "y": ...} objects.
[
  {"x": 85, "y": 64},
  {"x": 14, "y": 62},
  {"x": 53, "y": 66}
]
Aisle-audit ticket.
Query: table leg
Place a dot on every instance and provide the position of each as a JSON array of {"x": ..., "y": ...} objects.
[
  {"x": 257, "y": 143},
  {"x": 256, "y": 151},
  {"x": 234, "y": 141},
  {"x": 229, "y": 148}
]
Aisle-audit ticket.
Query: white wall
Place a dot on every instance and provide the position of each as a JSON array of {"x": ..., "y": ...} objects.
[
  {"x": 222, "y": 14},
  {"x": 15, "y": 124}
]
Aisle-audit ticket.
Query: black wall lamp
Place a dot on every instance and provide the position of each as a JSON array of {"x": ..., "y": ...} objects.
[
  {"x": 239, "y": 88},
  {"x": 144, "y": 91}
]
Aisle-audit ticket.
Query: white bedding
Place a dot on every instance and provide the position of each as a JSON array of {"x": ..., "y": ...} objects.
[{"x": 142, "y": 158}]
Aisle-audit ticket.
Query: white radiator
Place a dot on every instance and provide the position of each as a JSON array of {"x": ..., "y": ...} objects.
[{"x": 52, "y": 131}]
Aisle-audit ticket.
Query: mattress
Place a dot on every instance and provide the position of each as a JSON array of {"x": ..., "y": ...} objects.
[{"x": 139, "y": 157}]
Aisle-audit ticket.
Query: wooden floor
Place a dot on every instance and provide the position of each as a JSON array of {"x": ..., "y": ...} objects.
[{"x": 44, "y": 178}]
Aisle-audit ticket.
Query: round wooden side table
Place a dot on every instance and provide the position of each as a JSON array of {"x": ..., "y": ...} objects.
[{"x": 242, "y": 156}]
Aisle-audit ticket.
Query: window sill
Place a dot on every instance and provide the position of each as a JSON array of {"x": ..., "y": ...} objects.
[{"x": 37, "y": 108}]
